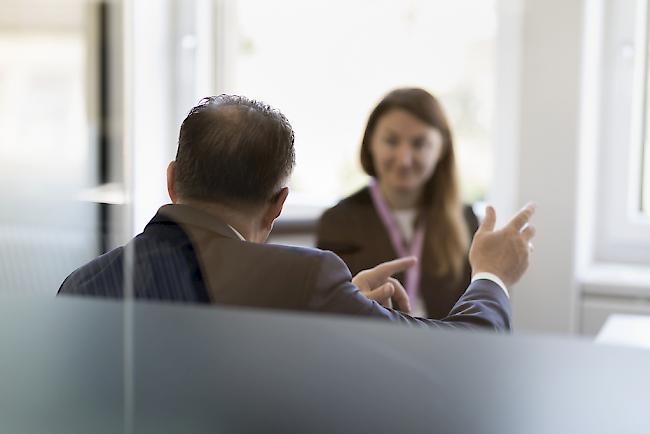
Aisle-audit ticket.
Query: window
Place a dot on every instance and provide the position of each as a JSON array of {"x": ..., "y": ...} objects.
[
  {"x": 325, "y": 65},
  {"x": 622, "y": 223}
]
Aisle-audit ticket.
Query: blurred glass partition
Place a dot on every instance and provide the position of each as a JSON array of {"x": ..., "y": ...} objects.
[
  {"x": 230, "y": 370},
  {"x": 50, "y": 129}
]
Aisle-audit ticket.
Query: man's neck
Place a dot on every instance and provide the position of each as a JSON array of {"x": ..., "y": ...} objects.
[{"x": 243, "y": 222}]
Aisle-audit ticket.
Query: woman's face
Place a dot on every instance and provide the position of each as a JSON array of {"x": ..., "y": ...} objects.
[{"x": 404, "y": 150}]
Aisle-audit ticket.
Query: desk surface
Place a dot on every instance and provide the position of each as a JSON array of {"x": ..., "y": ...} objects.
[
  {"x": 208, "y": 369},
  {"x": 629, "y": 330}
]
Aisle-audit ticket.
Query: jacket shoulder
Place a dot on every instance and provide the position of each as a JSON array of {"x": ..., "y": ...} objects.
[
  {"x": 294, "y": 255},
  {"x": 305, "y": 261},
  {"x": 340, "y": 227},
  {"x": 347, "y": 208},
  {"x": 359, "y": 198},
  {"x": 85, "y": 280},
  {"x": 274, "y": 275}
]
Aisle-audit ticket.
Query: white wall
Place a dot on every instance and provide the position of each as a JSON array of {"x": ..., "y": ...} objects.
[
  {"x": 543, "y": 94},
  {"x": 556, "y": 117}
]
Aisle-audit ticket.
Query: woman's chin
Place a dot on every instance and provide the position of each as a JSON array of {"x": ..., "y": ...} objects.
[{"x": 405, "y": 187}]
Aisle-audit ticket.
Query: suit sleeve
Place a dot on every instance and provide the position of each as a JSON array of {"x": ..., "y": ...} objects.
[{"x": 483, "y": 305}]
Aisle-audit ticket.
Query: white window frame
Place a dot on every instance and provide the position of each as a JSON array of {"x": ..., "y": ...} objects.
[
  {"x": 168, "y": 63},
  {"x": 621, "y": 231}
]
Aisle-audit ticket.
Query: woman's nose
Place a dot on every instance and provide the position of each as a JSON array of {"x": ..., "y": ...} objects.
[{"x": 404, "y": 155}]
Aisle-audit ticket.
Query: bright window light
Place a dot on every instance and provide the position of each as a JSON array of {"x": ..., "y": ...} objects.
[{"x": 326, "y": 65}]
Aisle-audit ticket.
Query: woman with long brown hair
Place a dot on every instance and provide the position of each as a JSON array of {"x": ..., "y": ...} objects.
[{"x": 412, "y": 205}]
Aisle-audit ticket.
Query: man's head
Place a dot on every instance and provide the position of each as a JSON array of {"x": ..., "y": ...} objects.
[{"x": 234, "y": 152}]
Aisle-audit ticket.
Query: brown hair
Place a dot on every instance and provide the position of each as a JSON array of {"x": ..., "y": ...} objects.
[
  {"x": 233, "y": 149},
  {"x": 440, "y": 203}
]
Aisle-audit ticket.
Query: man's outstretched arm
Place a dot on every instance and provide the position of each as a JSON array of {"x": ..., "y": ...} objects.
[{"x": 499, "y": 256}]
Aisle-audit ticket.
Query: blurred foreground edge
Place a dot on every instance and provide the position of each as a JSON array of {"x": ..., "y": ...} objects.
[{"x": 194, "y": 369}]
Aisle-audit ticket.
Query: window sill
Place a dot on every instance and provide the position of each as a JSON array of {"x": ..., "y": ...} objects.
[{"x": 616, "y": 280}]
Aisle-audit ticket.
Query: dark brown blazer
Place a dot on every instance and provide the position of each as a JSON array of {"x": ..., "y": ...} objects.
[{"x": 353, "y": 230}]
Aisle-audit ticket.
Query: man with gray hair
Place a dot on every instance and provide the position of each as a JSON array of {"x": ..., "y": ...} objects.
[{"x": 228, "y": 186}]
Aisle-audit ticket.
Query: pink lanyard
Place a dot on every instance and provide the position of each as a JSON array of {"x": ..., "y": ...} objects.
[{"x": 399, "y": 244}]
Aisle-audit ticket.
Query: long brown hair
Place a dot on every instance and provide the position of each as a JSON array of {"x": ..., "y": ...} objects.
[{"x": 440, "y": 204}]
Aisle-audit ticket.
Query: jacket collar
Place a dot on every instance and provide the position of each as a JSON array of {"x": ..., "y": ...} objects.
[{"x": 185, "y": 215}]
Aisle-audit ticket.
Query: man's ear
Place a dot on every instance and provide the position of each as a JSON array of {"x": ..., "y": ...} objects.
[
  {"x": 275, "y": 208},
  {"x": 171, "y": 168}
]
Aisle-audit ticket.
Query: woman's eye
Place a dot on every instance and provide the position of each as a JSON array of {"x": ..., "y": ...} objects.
[
  {"x": 391, "y": 141},
  {"x": 419, "y": 143}
]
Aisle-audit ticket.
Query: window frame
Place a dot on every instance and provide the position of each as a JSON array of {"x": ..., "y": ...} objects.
[{"x": 622, "y": 232}]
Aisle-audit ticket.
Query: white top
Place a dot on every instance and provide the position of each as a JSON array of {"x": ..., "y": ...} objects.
[{"x": 405, "y": 219}]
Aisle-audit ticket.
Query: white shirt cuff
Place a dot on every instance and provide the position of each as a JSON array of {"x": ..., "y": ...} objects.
[{"x": 493, "y": 278}]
